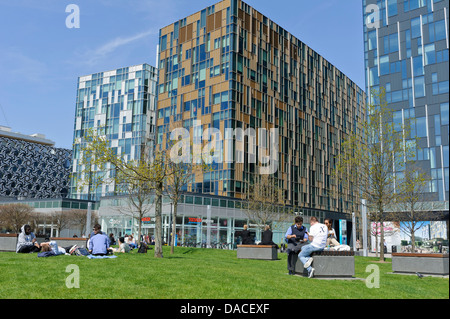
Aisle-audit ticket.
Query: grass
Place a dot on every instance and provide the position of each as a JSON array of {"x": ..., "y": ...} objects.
[{"x": 197, "y": 274}]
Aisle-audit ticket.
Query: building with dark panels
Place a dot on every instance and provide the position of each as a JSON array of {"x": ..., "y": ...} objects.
[
  {"x": 31, "y": 167},
  {"x": 231, "y": 67}
]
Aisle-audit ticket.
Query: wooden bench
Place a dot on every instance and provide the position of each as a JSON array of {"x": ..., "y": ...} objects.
[
  {"x": 434, "y": 264},
  {"x": 330, "y": 264},
  {"x": 262, "y": 252}
]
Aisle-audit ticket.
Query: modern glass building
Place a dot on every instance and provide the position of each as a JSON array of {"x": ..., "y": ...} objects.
[
  {"x": 406, "y": 52},
  {"x": 230, "y": 67},
  {"x": 120, "y": 105}
]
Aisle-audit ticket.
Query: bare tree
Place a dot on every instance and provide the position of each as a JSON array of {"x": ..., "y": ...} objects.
[
  {"x": 139, "y": 200},
  {"x": 61, "y": 219},
  {"x": 78, "y": 219},
  {"x": 14, "y": 216},
  {"x": 410, "y": 200},
  {"x": 266, "y": 202},
  {"x": 369, "y": 158}
]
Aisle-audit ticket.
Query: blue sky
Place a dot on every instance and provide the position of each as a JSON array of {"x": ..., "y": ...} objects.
[{"x": 41, "y": 59}]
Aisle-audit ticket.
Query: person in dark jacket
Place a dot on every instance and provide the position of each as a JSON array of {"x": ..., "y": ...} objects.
[
  {"x": 267, "y": 237},
  {"x": 296, "y": 237},
  {"x": 246, "y": 237}
]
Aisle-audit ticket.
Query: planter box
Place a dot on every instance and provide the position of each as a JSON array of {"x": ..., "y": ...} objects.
[
  {"x": 330, "y": 264},
  {"x": 257, "y": 252},
  {"x": 8, "y": 242},
  {"x": 435, "y": 264}
]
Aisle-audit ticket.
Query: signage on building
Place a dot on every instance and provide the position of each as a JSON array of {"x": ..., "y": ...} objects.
[
  {"x": 195, "y": 220},
  {"x": 147, "y": 220}
]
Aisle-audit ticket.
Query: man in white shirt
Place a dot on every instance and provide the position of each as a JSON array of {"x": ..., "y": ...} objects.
[{"x": 318, "y": 237}]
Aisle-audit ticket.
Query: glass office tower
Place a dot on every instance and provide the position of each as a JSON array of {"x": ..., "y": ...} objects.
[
  {"x": 231, "y": 67},
  {"x": 119, "y": 104},
  {"x": 406, "y": 52}
]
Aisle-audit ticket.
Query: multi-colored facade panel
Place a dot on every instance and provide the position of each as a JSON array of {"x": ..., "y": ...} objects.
[
  {"x": 406, "y": 53},
  {"x": 230, "y": 68},
  {"x": 120, "y": 105}
]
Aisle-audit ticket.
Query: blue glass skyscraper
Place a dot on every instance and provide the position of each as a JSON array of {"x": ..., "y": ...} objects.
[{"x": 406, "y": 53}]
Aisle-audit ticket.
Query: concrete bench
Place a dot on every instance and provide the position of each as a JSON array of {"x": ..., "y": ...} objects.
[
  {"x": 257, "y": 252},
  {"x": 330, "y": 264},
  {"x": 434, "y": 264}
]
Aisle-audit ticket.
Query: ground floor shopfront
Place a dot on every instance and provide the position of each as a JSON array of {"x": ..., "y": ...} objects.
[{"x": 201, "y": 220}]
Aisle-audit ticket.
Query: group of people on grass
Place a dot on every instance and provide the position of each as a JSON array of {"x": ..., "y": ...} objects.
[{"x": 98, "y": 244}]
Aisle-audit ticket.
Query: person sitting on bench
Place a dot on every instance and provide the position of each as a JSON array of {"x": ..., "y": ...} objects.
[{"x": 267, "y": 238}]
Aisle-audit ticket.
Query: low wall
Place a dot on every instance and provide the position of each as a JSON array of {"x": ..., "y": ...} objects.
[
  {"x": 8, "y": 242},
  {"x": 435, "y": 264}
]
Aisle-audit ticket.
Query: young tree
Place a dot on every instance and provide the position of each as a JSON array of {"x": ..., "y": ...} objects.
[
  {"x": 410, "y": 200},
  {"x": 369, "y": 157},
  {"x": 123, "y": 171},
  {"x": 265, "y": 202},
  {"x": 139, "y": 198}
]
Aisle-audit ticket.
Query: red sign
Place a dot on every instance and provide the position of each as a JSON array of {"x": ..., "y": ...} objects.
[{"x": 195, "y": 220}]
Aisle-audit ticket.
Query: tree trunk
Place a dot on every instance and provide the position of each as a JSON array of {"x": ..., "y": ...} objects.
[
  {"x": 158, "y": 222},
  {"x": 382, "y": 242},
  {"x": 174, "y": 227},
  {"x": 413, "y": 240}
]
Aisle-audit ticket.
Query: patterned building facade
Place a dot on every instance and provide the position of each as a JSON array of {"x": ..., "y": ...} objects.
[
  {"x": 31, "y": 167},
  {"x": 120, "y": 105},
  {"x": 230, "y": 67}
]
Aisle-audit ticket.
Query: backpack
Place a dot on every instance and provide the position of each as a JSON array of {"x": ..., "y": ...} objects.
[
  {"x": 142, "y": 248},
  {"x": 81, "y": 251}
]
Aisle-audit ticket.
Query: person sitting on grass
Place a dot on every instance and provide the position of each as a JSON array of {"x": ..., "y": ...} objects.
[
  {"x": 318, "y": 237},
  {"x": 99, "y": 243},
  {"x": 123, "y": 247},
  {"x": 26, "y": 242}
]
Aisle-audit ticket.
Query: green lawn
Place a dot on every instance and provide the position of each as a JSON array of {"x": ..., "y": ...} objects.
[{"x": 196, "y": 274}]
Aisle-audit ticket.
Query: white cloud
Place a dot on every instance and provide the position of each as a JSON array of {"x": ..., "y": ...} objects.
[{"x": 92, "y": 57}]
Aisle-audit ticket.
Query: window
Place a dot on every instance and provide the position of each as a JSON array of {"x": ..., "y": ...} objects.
[
  {"x": 421, "y": 126},
  {"x": 418, "y": 65},
  {"x": 444, "y": 113},
  {"x": 415, "y": 28},
  {"x": 392, "y": 8},
  {"x": 430, "y": 57},
  {"x": 384, "y": 65},
  {"x": 391, "y": 43},
  {"x": 437, "y": 31},
  {"x": 419, "y": 86}
]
